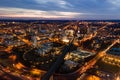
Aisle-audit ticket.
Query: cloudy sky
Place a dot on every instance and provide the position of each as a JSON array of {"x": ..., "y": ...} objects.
[{"x": 61, "y": 9}]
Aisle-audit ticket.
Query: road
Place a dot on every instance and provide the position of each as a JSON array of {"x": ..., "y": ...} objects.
[
  {"x": 92, "y": 35},
  {"x": 92, "y": 62}
]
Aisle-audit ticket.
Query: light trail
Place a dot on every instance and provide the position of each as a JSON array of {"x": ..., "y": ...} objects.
[
  {"x": 24, "y": 40},
  {"x": 70, "y": 25},
  {"x": 92, "y": 35},
  {"x": 92, "y": 62},
  {"x": 67, "y": 26},
  {"x": 114, "y": 42},
  {"x": 9, "y": 48}
]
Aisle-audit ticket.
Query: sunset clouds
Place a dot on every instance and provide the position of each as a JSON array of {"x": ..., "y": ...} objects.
[{"x": 76, "y": 9}]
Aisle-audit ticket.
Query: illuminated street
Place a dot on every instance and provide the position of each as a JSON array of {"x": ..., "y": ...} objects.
[
  {"x": 29, "y": 53},
  {"x": 59, "y": 39}
]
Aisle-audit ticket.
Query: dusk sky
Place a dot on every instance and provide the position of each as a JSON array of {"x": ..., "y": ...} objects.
[{"x": 61, "y": 9}]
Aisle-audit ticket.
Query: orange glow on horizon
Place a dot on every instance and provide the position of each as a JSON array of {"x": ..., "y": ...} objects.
[{"x": 31, "y": 13}]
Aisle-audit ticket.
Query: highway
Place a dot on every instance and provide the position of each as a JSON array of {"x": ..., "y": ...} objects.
[
  {"x": 92, "y": 35},
  {"x": 89, "y": 64},
  {"x": 92, "y": 62}
]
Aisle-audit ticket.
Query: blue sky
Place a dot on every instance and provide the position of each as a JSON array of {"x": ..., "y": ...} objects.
[{"x": 61, "y": 9}]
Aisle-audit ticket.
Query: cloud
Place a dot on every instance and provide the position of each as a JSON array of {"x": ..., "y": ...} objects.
[
  {"x": 19, "y": 12},
  {"x": 59, "y": 3},
  {"x": 60, "y": 8},
  {"x": 115, "y": 4}
]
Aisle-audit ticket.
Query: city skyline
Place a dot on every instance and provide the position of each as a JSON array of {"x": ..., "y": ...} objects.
[{"x": 60, "y": 9}]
